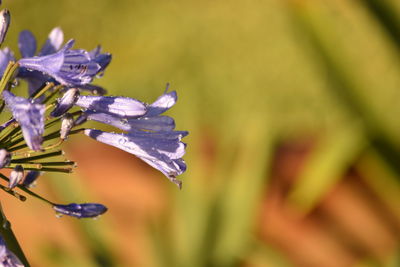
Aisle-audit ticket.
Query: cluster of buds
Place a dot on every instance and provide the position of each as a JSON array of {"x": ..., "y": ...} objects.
[{"x": 61, "y": 98}]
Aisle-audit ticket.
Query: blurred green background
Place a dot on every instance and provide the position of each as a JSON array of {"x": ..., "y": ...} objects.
[{"x": 294, "y": 150}]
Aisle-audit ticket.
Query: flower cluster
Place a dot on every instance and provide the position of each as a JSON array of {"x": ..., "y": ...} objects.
[{"x": 61, "y": 98}]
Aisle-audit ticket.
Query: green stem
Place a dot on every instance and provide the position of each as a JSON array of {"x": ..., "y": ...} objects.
[
  {"x": 10, "y": 239},
  {"x": 8, "y": 75}
]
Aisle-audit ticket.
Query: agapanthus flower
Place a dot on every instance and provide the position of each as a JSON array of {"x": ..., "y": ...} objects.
[
  {"x": 7, "y": 258},
  {"x": 151, "y": 137},
  {"x": 67, "y": 66},
  {"x": 29, "y": 115}
]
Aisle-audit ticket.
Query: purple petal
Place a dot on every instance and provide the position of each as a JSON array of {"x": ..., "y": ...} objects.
[
  {"x": 27, "y": 44},
  {"x": 30, "y": 116},
  {"x": 161, "y": 150},
  {"x": 6, "y": 55},
  {"x": 86, "y": 210},
  {"x": 53, "y": 42},
  {"x": 102, "y": 59},
  {"x": 119, "y": 106},
  {"x": 4, "y": 24},
  {"x": 159, "y": 123},
  {"x": 69, "y": 67},
  {"x": 162, "y": 104}
]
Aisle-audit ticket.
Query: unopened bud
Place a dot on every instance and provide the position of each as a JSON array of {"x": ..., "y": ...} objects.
[
  {"x": 67, "y": 123},
  {"x": 85, "y": 210},
  {"x": 5, "y": 158},
  {"x": 66, "y": 102},
  {"x": 16, "y": 176},
  {"x": 4, "y": 23}
]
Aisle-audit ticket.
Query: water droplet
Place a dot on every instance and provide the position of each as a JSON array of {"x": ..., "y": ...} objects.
[
  {"x": 14, "y": 83},
  {"x": 58, "y": 215}
]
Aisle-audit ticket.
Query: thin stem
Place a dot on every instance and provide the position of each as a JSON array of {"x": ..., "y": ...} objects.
[
  {"x": 10, "y": 239},
  {"x": 47, "y": 155},
  {"x": 8, "y": 75},
  {"x": 42, "y": 90},
  {"x": 13, "y": 193},
  {"x": 29, "y": 192}
]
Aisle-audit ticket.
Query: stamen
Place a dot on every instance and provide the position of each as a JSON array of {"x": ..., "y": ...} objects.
[{"x": 42, "y": 90}]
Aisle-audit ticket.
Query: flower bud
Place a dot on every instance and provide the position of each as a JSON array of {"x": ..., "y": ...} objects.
[
  {"x": 67, "y": 123},
  {"x": 16, "y": 176},
  {"x": 4, "y": 24},
  {"x": 5, "y": 158},
  {"x": 86, "y": 210},
  {"x": 66, "y": 102}
]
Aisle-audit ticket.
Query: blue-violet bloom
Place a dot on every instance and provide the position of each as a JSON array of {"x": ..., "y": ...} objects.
[{"x": 67, "y": 66}]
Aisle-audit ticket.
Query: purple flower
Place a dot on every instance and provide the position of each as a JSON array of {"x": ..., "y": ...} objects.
[
  {"x": 86, "y": 210},
  {"x": 151, "y": 136},
  {"x": 67, "y": 66},
  {"x": 161, "y": 150},
  {"x": 30, "y": 116},
  {"x": 149, "y": 120},
  {"x": 27, "y": 46},
  {"x": 123, "y": 107},
  {"x": 7, "y": 258}
]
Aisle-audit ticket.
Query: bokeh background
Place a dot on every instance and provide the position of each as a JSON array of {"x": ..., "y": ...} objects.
[{"x": 294, "y": 147}]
